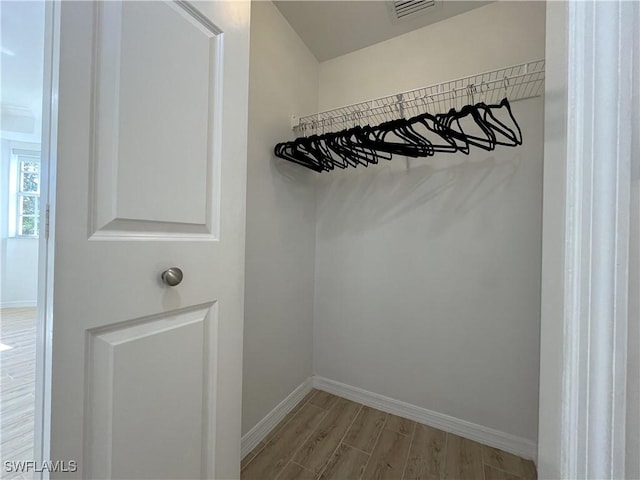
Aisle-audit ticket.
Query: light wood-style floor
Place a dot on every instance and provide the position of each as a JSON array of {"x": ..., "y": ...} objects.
[
  {"x": 328, "y": 437},
  {"x": 17, "y": 385}
]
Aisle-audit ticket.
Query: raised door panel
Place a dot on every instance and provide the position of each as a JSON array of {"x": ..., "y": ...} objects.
[
  {"x": 155, "y": 142},
  {"x": 148, "y": 396}
]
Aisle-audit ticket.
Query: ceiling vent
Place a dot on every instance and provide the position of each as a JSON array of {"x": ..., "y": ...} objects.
[{"x": 405, "y": 9}]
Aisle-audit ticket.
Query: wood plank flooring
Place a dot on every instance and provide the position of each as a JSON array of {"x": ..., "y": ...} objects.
[
  {"x": 327, "y": 437},
  {"x": 17, "y": 385}
]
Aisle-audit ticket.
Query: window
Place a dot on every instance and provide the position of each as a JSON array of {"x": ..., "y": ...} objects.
[{"x": 27, "y": 191}]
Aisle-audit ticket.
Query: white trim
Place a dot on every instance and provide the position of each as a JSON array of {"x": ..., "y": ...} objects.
[
  {"x": 485, "y": 435},
  {"x": 19, "y": 304},
  {"x": 585, "y": 274},
  {"x": 254, "y": 436},
  {"x": 597, "y": 231},
  {"x": 46, "y": 250}
]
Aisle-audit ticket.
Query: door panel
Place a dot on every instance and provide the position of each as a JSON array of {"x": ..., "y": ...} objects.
[
  {"x": 155, "y": 120},
  {"x": 147, "y": 396},
  {"x": 151, "y": 174}
]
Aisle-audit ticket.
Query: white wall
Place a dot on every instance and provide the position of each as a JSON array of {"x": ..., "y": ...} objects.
[
  {"x": 633, "y": 352},
  {"x": 280, "y": 219},
  {"x": 21, "y": 122},
  {"x": 486, "y": 38},
  {"x": 428, "y": 271},
  {"x": 19, "y": 272},
  {"x": 18, "y": 256}
]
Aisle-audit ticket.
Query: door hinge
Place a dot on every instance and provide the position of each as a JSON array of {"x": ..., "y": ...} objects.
[{"x": 46, "y": 223}]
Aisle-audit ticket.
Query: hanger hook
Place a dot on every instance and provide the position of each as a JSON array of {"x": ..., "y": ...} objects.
[
  {"x": 424, "y": 99},
  {"x": 400, "y": 105},
  {"x": 454, "y": 103},
  {"x": 365, "y": 113}
]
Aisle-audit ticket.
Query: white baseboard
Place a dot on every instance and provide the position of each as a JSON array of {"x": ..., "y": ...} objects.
[
  {"x": 22, "y": 304},
  {"x": 485, "y": 435},
  {"x": 254, "y": 436}
]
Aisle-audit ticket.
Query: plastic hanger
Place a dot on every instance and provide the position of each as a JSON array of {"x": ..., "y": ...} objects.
[
  {"x": 479, "y": 125},
  {"x": 513, "y": 137}
]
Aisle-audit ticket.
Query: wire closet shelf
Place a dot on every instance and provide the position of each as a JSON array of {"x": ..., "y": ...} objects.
[{"x": 517, "y": 82}]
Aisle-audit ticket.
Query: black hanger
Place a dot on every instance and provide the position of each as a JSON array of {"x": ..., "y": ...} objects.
[
  {"x": 453, "y": 117},
  {"x": 443, "y": 136},
  {"x": 514, "y": 137},
  {"x": 328, "y": 158},
  {"x": 341, "y": 159},
  {"x": 363, "y": 153},
  {"x": 379, "y": 138},
  {"x": 287, "y": 151},
  {"x": 419, "y": 136}
]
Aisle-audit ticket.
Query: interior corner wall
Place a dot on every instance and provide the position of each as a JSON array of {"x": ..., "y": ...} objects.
[
  {"x": 278, "y": 328},
  {"x": 427, "y": 280}
]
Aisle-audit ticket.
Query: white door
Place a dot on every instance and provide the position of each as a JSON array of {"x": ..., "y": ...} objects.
[{"x": 151, "y": 164}]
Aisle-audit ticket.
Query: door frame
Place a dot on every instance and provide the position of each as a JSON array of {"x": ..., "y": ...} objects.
[
  {"x": 572, "y": 298},
  {"x": 42, "y": 413},
  {"x": 586, "y": 237}
]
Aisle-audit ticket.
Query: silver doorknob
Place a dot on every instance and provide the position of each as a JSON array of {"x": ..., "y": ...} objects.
[{"x": 172, "y": 276}]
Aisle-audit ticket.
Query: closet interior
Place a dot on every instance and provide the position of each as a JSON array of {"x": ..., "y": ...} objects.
[{"x": 393, "y": 252}]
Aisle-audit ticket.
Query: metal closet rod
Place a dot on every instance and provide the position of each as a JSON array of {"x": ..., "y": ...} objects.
[{"x": 516, "y": 82}]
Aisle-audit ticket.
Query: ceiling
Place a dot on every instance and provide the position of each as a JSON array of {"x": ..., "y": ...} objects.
[
  {"x": 22, "y": 51},
  {"x": 334, "y": 28}
]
